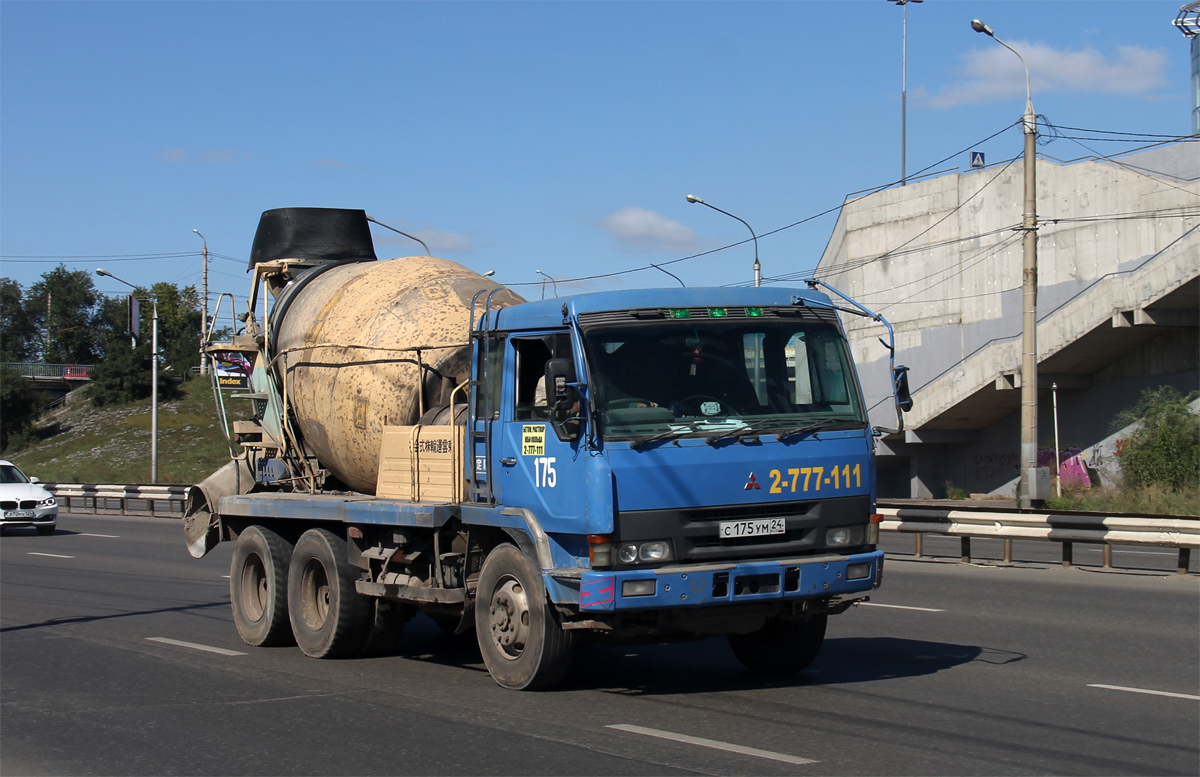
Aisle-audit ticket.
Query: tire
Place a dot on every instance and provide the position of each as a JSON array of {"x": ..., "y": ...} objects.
[
  {"x": 258, "y": 576},
  {"x": 388, "y": 619},
  {"x": 46, "y": 531},
  {"x": 780, "y": 647},
  {"x": 522, "y": 643},
  {"x": 329, "y": 618}
]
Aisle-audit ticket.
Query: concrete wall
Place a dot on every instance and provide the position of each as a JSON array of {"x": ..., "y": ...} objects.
[{"x": 942, "y": 261}]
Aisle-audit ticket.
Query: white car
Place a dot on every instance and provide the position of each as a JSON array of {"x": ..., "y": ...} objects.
[{"x": 24, "y": 503}]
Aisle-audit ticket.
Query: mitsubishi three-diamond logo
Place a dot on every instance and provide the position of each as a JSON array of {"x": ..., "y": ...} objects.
[{"x": 752, "y": 483}]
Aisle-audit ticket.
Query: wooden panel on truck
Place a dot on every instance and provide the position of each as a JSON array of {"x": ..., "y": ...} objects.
[{"x": 420, "y": 463}]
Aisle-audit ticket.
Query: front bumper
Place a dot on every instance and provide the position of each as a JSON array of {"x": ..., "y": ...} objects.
[
  {"x": 697, "y": 585},
  {"x": 42, "y": 516}
]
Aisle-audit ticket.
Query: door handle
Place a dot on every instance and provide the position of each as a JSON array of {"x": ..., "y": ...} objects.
[{"x": 508, "y": 462}]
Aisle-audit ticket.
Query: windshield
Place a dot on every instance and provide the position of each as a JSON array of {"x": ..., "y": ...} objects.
[
  {"x": 10, "y": 474},
  {"x": 674, "y": 378}
]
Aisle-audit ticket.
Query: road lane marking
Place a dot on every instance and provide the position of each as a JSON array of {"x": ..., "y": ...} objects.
[
  {"x": 898, "y": 607},
  {"x": 49, "y": 555},
  {"x": 225, "y": 576},
  {"x": 1143, "y": 690},
  {"x": 194, "y": 646},
  {"x": 712, "y": 743},
  {"x": 109, "y": 536}
]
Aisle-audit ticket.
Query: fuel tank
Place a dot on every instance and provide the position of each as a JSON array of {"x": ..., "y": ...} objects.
[{"x": 358, "y": 345}]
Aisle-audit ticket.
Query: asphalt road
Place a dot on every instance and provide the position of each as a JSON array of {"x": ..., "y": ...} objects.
[{"x": 950, "y": 669}]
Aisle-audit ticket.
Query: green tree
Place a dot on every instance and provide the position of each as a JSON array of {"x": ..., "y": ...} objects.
[
  {"x": 61, "y": 306},
  {"x": 1164, "y": 447},
  {"x": 18, "y": 407},
  {"x": 18, "y": 336},
  {"x": 178, "y": 326}
]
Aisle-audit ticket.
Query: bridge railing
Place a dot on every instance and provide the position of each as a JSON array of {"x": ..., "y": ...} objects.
[
  {"x": 1182, "y": 533},
  {"x": 65, "y": 371}
]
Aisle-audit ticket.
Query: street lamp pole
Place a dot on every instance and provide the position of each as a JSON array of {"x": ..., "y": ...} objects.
[
  {"x": 204, "y": 308},
  {"x": 153, "y": 377},
  {"x": 539, "y": 272},
  {"x": 757, "y": 266},
  {"x": 904, "y": 91},
  {"x": 1029, "y": 382}
]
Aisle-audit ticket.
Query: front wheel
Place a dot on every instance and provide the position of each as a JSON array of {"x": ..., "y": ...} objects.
[
  {"x": 46, "y": 531},
  {"x": 781, "y": 646},
  {"x": 330, "y": 619},
  {"x": 258, "y": 587},
  {"x": 523, "y": 645}
]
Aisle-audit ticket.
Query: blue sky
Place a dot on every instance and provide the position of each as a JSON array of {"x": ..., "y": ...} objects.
[{"x": 560, "y": 136}]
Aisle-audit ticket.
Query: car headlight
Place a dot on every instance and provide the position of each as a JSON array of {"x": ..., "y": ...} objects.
[{"x": 47, "y": 502}]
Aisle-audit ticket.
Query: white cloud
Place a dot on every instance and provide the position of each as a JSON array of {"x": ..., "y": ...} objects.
[
  {"x": 219, "y": 155},
  {"x": 644, "y": 230},
  {"x": 173, "y": 154},
  {"x": 994, "y": 73}
]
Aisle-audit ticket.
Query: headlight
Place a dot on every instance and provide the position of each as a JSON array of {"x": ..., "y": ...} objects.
[
  {"x": 844, "y": 536},
  {"x": 650, "y": 552},
  {"x": 47, "y": 502},
  {"x": 654, "y": 551}
]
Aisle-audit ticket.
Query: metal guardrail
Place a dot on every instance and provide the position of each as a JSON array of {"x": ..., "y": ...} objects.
[
  {"x": 119, "y": 500},
  {"x": 1182, "y": 533}
]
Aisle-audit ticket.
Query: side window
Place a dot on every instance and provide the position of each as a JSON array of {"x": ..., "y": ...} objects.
[
  {"x": 531, "y": 354},
  {"x": 756, "y": 364},
  {"x": 490, "y": 374}
]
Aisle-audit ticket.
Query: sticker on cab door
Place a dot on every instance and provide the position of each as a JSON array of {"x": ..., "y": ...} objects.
[{"x": 533, "y": 439}]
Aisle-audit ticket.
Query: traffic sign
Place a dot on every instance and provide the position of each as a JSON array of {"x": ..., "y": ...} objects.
[{"x": 976, "y": 160}]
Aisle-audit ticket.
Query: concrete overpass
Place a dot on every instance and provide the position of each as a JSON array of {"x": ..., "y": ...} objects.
[{"x": 1118, "y": 302}]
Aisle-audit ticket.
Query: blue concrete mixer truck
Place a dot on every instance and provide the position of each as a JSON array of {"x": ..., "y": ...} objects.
[{"x": 618, "y": 466}]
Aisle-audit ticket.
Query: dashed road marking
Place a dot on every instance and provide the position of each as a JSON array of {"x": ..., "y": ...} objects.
[
  {"x": 108, "y": 536},
  {"x": 712, "y": 743},
  {"x": 898, "y": 607},
  {"x": 195, "y": 646},
  {"x": 49, "y": 555},
  {"x": 1146, "y": 691}
]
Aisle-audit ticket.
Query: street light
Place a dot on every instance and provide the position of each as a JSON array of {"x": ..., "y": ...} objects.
[
  {"x": 153, "y": 377},
  {"x": 539, "y": 272},
  {"x": 204, "y": 309},
  {"x": 1029, "y": 409},
  {"x": 757, "y": 266},
  {"x": 904, "y": 90}
]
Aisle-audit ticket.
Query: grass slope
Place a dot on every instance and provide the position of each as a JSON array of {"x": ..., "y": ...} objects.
[{"x": 85, "y": 444}]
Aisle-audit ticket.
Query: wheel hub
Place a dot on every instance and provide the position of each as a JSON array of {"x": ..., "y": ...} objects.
[{"x": 508, "y": 617}]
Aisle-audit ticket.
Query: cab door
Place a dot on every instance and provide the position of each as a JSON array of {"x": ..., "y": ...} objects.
[{"x": 538, "y": 470}]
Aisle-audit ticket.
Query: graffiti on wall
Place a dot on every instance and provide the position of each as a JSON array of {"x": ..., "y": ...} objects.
[
  {"x": 1072, "y": 468},
  {"x": 989, "y": 466}
]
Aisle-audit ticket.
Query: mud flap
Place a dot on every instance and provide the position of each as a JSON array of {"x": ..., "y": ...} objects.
[{"x": 201, "y": 524}]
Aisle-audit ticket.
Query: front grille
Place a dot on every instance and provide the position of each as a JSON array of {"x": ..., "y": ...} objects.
[
  {"x": 12, "y": 504},
  {"x": 694, "y": 531}
]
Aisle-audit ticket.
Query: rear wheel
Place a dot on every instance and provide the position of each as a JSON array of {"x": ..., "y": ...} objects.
[
  {"x": 258, "y": 587},
  {"x": 781, "y": 646},
  {"x": 522, "y": 643},
  {"x": 388, "y": 619},
  {"x": 330, "y": 619}
]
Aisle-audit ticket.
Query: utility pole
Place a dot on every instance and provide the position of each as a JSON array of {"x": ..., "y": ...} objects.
[
  {"x": 204, "y": 304},
  {"x": 1029, "y": 490}
]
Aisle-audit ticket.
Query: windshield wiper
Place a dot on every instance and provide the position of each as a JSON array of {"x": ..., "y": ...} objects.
[
  {"x": 781, "y": 432},
  {"x": 667, "y": 435}
]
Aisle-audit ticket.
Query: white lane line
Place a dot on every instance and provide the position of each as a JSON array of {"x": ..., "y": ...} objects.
[
  {"x": 109, "y": 536},
  {"x": 194, "y": 646},
  {"x": 898, "y": 607},
  {"x": 49, "y": 555},
  {"x": 225, "y": 576},
  {"x": 1143, "y": 690},
  {"x": 714, "y": 744}
]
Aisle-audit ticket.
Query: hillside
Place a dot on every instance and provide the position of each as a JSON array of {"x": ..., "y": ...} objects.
[{"x": 82, "y": 444}]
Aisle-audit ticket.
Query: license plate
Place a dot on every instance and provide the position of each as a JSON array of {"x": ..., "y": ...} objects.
[
  {"x": 18, "y": 513},
  {"x": 727, "y": 529}
]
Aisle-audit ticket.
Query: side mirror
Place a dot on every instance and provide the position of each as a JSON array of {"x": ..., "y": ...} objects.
[
  {"x": 35, "y": 480},
  {"x": 900, "y": 388},
  {"x": 563, "y": 398}
]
